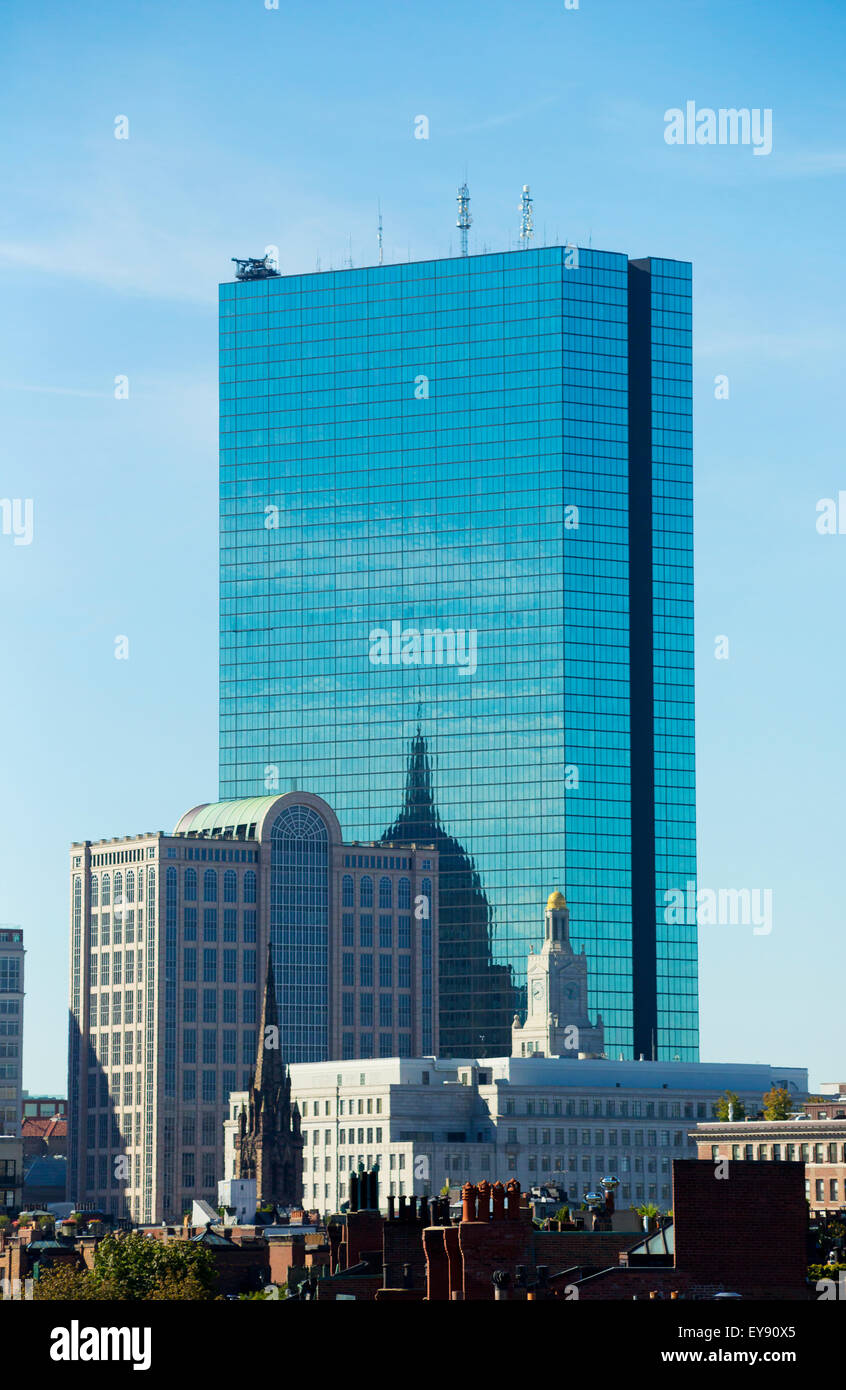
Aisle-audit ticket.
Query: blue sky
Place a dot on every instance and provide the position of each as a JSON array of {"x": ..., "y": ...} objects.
[{"x": 251, "y": 127}]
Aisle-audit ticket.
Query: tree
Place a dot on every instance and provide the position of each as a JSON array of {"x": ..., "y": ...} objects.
[
  {"x": 730, "y": 1107},
  {"x": 173, "y": 1288},
  {"x": 136, "y": 1265},
  {"x": 648, "y": 1209},
  {"x": 562, "y": 1214},
  {"x": 66, "y": 1283},
  {"x": 777, "y": 1104}
]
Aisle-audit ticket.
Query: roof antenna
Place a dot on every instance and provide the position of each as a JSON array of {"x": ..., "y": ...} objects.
[
  {"x": 464, "y": 219},
  {"x": 379, "y": 233},
  {"x": 527, "y": 225}
]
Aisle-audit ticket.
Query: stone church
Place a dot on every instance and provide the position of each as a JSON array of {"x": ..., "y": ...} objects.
[{"x": 268, "y": 1142}]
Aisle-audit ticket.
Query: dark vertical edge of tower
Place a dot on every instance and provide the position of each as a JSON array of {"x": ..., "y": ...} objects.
[{"x": 641, "y": 689}]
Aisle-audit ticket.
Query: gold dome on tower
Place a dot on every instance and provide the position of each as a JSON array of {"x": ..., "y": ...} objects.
[{"x": 555, "y": 901}]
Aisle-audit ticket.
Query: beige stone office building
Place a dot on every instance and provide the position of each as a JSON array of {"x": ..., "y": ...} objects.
[
  {"x": 169, "y": 939},
  {"x": 11, "y": 1028}
]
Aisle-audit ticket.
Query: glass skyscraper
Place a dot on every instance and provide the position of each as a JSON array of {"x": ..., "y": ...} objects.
[{"x": 457, "y": 588}]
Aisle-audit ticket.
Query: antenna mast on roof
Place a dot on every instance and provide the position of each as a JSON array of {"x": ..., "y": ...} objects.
[
  {"x": 464, "y": 218},
  {"x": 379, "y": 234},
  {"x": 527, "y": 225}
]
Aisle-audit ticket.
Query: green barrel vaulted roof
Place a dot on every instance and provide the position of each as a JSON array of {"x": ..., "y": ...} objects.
[{"x": 217, "y": 815}]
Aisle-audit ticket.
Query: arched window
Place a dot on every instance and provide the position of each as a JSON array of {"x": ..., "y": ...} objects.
[
  {"x": 426, "y": 889},
  {"x": 107, "y": 890},
  {"x": 171, "y": 888},
  {"x": 210, "y": 886},
  {"x": 404, "y": 893},
  {"x": 386, "y": 896},
  {"x": 230, "y": 886},
  {"x": 298, "y": 918},
  {"x": 190, "y": 885},
  {"x": 95, "y": 890},
  {"x": 366, "y": 891},
  {"x": 118, "y": 888},
  {"x": 249, "y": 886},
  {"x": 347, "y": 894},
  {"x": 130, "y": 885}
]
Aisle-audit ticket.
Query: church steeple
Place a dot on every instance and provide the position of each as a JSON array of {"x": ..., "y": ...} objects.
[
  {"x": 270, "y": 1070},
  {"x": 269, "y": 1143},
  {"x": 476, "y": 996},
  {"x": 418, "y": 819}
]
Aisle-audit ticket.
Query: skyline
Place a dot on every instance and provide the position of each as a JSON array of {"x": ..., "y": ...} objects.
[{"x": 125, "y": 532}]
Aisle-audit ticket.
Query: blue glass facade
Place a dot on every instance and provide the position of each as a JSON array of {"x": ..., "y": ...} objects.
[{"x": 456, "y": 598}]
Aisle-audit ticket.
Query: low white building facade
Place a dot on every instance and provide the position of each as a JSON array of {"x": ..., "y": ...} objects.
[{"x": 425, "y": 1122}]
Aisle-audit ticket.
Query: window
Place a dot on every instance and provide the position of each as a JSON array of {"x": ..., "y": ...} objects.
[
  {"x": 230, "y": 886},
  {"x": 249, "y": 886},
  {"x": 365, "y": 889},
  {"x": 347, "y": 896},
  {"x": 404, "y": 893},
  {"x": 190, "y": 885},
  {"x": 365, "y": 970},
  {"x": 210, "y": 886},
  {"x": 385, "y": 893}
]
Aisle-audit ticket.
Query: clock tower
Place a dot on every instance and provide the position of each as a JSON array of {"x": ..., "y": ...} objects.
[{"x": 557, "y": 1020}]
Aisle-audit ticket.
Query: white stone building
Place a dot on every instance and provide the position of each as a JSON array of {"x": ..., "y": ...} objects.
[{"x": 537, "y": 1119}]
